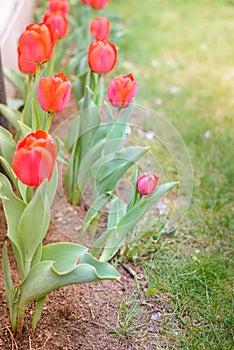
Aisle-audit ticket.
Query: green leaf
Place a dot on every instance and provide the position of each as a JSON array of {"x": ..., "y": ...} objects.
[
  {"x": 43, "y": 278},
  {"x": 115, "y": 236},
  {"x": 24, "y": 130},
  {"x": 72, "y": 134},
  {"x": 9, "y": 172},
  {"x": 17, "y": 79},
  {"x": 116, "y": 211},
  {"x": 13, "y": 208},
  {"x": 34, "y": 223},
  {"x": 7, "y": 145},
  {"x": 12, "y": 115},
  {"x": 117, "y": 132},
  {"x": 133, "y": 195},
  {"x": 108, "y": 170},
  {"x": 8, "y": 284},
  {"x": 64, "y": 254},
  {"x": 85, "y": 167},
  {"x": 94, "y": 210},
  {"x": 37, "y": 312}
]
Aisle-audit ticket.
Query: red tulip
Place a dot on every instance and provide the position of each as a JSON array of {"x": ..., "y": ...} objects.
[
  {"x": 59, "y": 5},
  {"x": 102, "y": 56},
  {"x": 122, "y": 90},
  {"x": 26, "y": 66},
  {"x": 100, "y": 28},
  {"x": 58, "y": 21},
  {"x": 97, "y": 4},
  {"x": 146, "y": 183},
  {"x": 54, "y": 92},
  {"x": 37, "y": 42},
  {"x": 34, "y": 158}
]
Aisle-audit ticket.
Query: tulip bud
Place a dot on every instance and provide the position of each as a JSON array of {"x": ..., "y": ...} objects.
[
  {"x": 54, "y": 92},
  {"x": 59, "y": 5},
  {"x": 102, "y": 56},
  {"x": 146, "y": 183},
  {"x": 57, "y": 21},
  {"x": 97, "y": 4},
  {"x": 122, "y": 90},
  {"x": 34, "y": 158},
  {"x": 100, "y": 28},
  {"x": 37, "y": 42}
]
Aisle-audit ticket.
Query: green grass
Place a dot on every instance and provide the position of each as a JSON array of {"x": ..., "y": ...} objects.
[{"x": 187, "y": 45}]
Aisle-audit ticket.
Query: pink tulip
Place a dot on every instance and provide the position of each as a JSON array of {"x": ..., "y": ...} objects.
[
  {"x": 146, "y": 183},
  {"x": 122, "y": 90},
  {"x": 100, "y": 28}
]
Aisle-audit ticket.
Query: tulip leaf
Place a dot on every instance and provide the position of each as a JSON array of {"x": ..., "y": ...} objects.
[
  {"x": 116, "y": 211},
  {"x": 24, "y": 129},
  {"x": 13, "y": 207},
  {"x": 12, "y": 115},
  {"x": 34, "y": 223},
  {"x": 64, "y": 254},
  {"x": 72, "y": 134},
  {"x": 115, "y": 236},
  {"x": 17, "y": 79},
  {"x": 9, "y": 172},
  {"x": 108, "y": 170},
  {"x": 90, "y": 158},
  {"x": 37, "y": 312},
  {"x": 8, "y": 284},
  {"x": 43, "y": 279},
  {"x": 117, "y": 132},
  {"x": 133, "y": 195},
  {"x": 7, "y": 144},
  {"x": 94, "y": 210}
]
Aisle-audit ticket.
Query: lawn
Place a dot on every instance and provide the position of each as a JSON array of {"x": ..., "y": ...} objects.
[{"x": 181, "y": 53}]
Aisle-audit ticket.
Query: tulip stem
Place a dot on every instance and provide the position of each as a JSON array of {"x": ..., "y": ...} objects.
[
  {"x": 49, "y": 120},
  {"x": 95, "y": 95}
]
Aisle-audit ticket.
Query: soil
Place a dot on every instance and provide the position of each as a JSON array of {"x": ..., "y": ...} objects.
[{"x": 86, "y": 316}]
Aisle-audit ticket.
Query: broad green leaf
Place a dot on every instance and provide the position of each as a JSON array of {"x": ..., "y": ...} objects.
[
  {"x": 37, "y": 312},
  {"x": 9, "y": 172},
  {"x": 23, "y": 129},
  {"x": 7, "y": 144},
  {"x": 13, "y": 208},
  {"x": 72, "y": 134},
  {"x": 117, "y": 132},
  {"x": 65, "y": 255},
  {"x": 85, "y": 167},
  {"x": 94, "y": 210},
  {"x": 15, "y": 103},
  {"x": 115, "y": 236},
  {"x": 43, "y": 279},
  {"x": 116, "y": 211},
  {"x": 34, "y": 223},
  {"x": 12, "y": 115},
  {"x": 109, "y": 169},
  {"x": 17, "y": 79}
]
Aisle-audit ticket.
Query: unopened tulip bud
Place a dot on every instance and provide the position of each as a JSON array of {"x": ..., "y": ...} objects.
[{"x": 147, "y": 183}]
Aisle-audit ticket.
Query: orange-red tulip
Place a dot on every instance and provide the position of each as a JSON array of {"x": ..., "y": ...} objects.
[
  {"x": 58, "y": 21},
  {"x": 59, "y": 5},
  {"x": 34, "y": 158},
  {"x": 97, "y": 4},
  {"x": 26, "y": 66},
  {"x": 100, "y": 28},
  {"x": 102, "y": 56},
  {"x": 147, "y": 183},
  {"x": 37, "y": 42},
  {"x": 54, "y": 92},
  {"x": 122, "y": 90}
]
